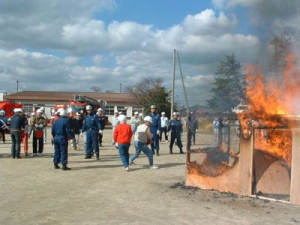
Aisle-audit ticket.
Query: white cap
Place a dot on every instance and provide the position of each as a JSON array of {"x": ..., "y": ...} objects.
[
  {"x": 100, "y": 109},
  {"x": 120, "y": 113},
  {"x": 153, "y": 107},
  {"x": 116, "y": 111},
  {"x": 163, "y": 113},
  {"x": 42, "y": 108},
  {"x": 18, "y": 110},
  {"x": 70, "y": 110},
  {"x": 136, "y": 113},
  {"x": 122, "y": 118},
  {"x": 88, "y": 107},
  {"x": 141, "y": 114},
  {"x": 148, "y": 119},
  {"x": 59, "y": 110},
  {"x": 175, "y": 113},
  {"x": 1, "y": 113}
]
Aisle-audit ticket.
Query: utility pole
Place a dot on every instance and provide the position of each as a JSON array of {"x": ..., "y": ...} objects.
[
  {"x": 120, "y": 87},
  {"x": 17, "y": 85},
  {"x": 173, "y": 84}
]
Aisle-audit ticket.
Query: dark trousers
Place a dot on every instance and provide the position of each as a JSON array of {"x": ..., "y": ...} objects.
[
  {"x": 34, "y": 144},
  {"x": 3, "y": 135},
  {"x": 163, "y": 130},
  {"x": 15, "y": 147},
  {"x": 92, "y": 142},
  {"x": 60, "y": 150},
  {"x": 175, "y": 135},
  {"x": 155, "y": 143},
  {"x": 100, "y": 136}
]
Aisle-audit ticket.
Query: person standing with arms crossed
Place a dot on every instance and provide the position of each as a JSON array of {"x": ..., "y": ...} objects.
[
  {"x": 102, "y": 119},
  {"x": 163, "y": 126},
  {"x": 175, "y": 126}
]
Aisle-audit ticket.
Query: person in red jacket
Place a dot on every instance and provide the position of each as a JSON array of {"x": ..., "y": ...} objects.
[{"x": 122, "y": 137}]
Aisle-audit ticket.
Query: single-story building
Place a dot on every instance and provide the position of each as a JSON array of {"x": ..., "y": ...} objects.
[{"x": 32, "y": 100}]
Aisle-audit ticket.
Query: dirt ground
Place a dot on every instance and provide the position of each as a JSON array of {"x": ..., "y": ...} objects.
[{"x": 101, "y": 192}]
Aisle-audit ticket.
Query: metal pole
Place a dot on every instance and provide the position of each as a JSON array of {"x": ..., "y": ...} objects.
[
  {"x": 17, "y": 85},
  {"x": 173, "y": 84}
]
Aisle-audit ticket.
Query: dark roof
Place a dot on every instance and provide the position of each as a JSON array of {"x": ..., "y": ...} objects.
[{"x": 66, "y": 96}]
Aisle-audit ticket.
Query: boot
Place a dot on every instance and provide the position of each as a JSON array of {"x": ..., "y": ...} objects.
[
  {"x": 171, "y": 151},
  {"x": 65, "y": 167},
  {"x": 97, "y": 157},
  {"x": 181, "y": 152},
  {"x": 153, "y": 152},
  {"x": 56, "y": 166},
  {"x": 157, "y": 152},
  {"x": 87, "y": 156}
]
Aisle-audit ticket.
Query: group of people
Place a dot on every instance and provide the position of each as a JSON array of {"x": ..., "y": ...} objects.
[{"x": 66, "y": 129}]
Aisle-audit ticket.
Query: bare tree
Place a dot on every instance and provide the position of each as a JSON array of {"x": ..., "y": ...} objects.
[{"x": 95, "y": 88}]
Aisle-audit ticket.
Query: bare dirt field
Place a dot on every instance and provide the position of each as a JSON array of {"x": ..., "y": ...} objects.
[{"x": 101, "y": 192}]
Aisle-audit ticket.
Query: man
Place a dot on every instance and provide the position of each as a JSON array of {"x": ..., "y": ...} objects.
[
  {"x": 175, "y": 126},
  {"x": 4, "y": 120},
  {"x": 92, "y": 127},
  {"x": 102, "y": 119},
  {"x": 60, "y": 132},
  {"x": 134, "y": 122},
  {"x": 3, "y": 126},
  {"x": 16, "y": 124},
  {"x": 216, "y": 128},
  {"x": 115, "y": 122},
  {"x": 38, "y": 123},
  {"x": 154, "y": 128},
  {"x": 141, "y": 138},
  {"x": 45, "y": 128},
  {"x": 77, "y": 129},
  {"x": 163, "y": 126},
  {"x": 193, "y": 126}
]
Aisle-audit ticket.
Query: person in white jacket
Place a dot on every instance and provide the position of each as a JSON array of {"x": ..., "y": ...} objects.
[{"x": 115, "y": 122}]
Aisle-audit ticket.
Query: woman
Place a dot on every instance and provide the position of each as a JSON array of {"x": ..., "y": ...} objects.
[{"x": 122, "y": 137}]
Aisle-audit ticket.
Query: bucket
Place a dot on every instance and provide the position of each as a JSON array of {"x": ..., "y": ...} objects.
[{"x": 38, "y": 133}]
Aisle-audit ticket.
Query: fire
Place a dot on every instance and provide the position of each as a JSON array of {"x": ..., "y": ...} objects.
[{"x": 270, "y": 99}]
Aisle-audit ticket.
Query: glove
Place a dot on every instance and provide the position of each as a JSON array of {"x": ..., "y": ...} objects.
[
  {"x": 116, "y": 145},
  {"x": 196, "y": 130},
  {"x": 157, "y": 132},
  {"x": 41, "y": 126},
  {"x": 100, "y": 131}
]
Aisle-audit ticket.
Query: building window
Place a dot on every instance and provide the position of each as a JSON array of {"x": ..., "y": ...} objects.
[
  {"x": 109, "y": 110},
  {"x": 138, "y": 109},
  {"x": 122, "y": 109}
]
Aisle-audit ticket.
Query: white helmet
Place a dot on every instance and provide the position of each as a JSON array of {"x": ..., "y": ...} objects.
[
  {"x": 42, "y": 108},
  {"x": 19, "y": 110},
  {"x": 39, "y": 111},
  {"x": 120, "y": 113},
  {"x": 100, "y": 109},
  {"x": 70, "y": 110},
  {"x": 175, "y": 113},
  {"x": 148, "y": 119},
  {"x": 122, "y": 118},
  {"x": 63, "y": 112},
  {"x": 153, "y": 107},
  {"x": 136, "y": 113},
  {"x": 141, "y": 114},
  {"x": 88, "y": 107},
  {"x": 116, "y": 111},
  {"x": 1, "y": 113},
  {"x": 163, "y": 113}
]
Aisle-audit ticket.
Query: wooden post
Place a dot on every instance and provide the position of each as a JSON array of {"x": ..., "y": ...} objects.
[
  {"x": 295, "y": 174},
  {"x": 246, "y": 165}
]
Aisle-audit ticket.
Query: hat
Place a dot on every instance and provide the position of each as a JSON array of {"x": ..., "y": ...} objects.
[
  {"x": 153, "y": 107},
  {"x": 141, "y": 114},
  {"x": 88, "y": 107},
  {"x": 175, "y": 113},
  {"x": 136, "y": 113},
  {"x": 116, "y": 111},
  {"x": 122, "y": 118},
  {"x": 99, "y": 109},
  {"x": 148, "y": 119},
  {"x": 163, "y": 113}
]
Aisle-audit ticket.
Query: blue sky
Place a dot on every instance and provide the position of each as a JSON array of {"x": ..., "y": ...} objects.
[{"x": 69, "y": 45}]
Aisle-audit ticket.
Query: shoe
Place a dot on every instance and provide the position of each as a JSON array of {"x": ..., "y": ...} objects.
[
  {"x": 167, "y": 141},
  {"x": 131, "y": 163},
  {"x": 56, "y": 166},
  {"x": 45, "y": 142},
  {"x": 40, "y": 154},
  {"x": 101, "y": 145},
  {"x": 181, "y": 152},
  {"x": 127, "y": 169},
  {"x": 65, "y": 168},
  {"x": 97, "y": 157},
  {"x": 19, "y": 157},
  {"x": 157, "y": 153},
  {"x": 26, "y": 154},
  {"x": 34, "y": 154},
  {"x": 153, "y": 167},
  {"x": 87, "y": 157}
]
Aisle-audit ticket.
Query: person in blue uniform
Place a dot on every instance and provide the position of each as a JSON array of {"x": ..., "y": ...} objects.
[
  {"x": 154, "y": 128},
  {"x": 61, "y": 132},
  {"x": 175, "y": 126},
  {"x": 92, "y": 127},
  {"x": 17, "y": 122}
]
